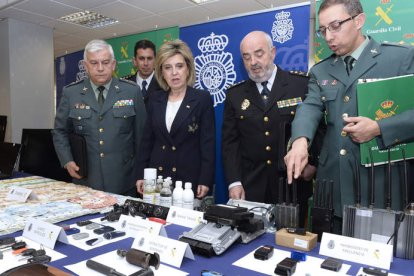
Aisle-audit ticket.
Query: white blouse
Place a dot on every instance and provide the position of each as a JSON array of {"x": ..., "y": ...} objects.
[{"x": 172, "y": 109}]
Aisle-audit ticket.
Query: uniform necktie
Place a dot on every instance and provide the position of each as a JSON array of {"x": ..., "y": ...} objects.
[
  {"x": 101, "y": 98},
  {"x": 349, "y": 63},
  {"x": 265, "y": 92},
  {"x": 144, "y": 88}
]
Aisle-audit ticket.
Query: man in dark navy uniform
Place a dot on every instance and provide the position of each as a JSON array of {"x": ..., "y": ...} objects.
[{"x": 256, "y": 126}]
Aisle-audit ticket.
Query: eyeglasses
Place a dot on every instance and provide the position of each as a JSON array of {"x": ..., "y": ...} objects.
[{"x": 333, "y": 27}]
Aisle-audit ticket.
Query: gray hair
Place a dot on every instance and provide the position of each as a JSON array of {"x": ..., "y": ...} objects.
[{"x": 98, "y": 45}]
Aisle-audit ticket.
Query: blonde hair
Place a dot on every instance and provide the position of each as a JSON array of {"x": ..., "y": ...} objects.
[{"x": 169, "y": 49}]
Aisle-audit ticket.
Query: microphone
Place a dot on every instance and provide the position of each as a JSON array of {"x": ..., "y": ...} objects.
[{"x": 106, "y": 270}]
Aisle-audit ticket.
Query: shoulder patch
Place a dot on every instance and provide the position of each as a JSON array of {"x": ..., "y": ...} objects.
[
  {"x": 75, "y": 82},
  {"x": 235, "y": 84},
  {"x": 299, "y": 73},
  {"x": 128, "y": 81}
]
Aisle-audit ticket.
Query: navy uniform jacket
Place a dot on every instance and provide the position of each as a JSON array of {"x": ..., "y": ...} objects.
[
  {"x": 187, "y": 152},
  {"x": 153, "y": 86},
  {"x": 333, "y": 92},
  {"x": 112, "y": 135},
  {"x": 254, "y": 138}
]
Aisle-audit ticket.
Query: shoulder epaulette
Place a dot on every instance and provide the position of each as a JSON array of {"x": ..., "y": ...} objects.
[
  {"x": 235, "y": 84},
  {"x": 126, "y": 77},
  {"x": 398, "y": 44},
  {"x": 128, "y": 81},
  {"x": 75, "y": 82},
  {"x": 299, "y": 73},
  {"x": 333, "y": 55}
]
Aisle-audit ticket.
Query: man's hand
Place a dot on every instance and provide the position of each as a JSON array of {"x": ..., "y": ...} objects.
[
  {"x": 297, "y": 158},
  {"x": 202, "y": 191},
  {"x": 140, "y": 186},
  {"x": 361, "y": 129},
  {"x": 73, "y": 169},
  {"x": 237, "y": 192}
]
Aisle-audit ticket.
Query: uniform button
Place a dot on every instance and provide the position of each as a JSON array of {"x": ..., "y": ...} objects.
[
  {"x": 101, "y": 130},
  {"x": 101, "y": 142},
  {"x": 345, "y": 115},
  {"x": 163, "y": 147},
  {"x": 160, "y": 168},
  {"x": 323, "y": 98},
  {"x": 100, "y": 118},
  {"x": 292, "y": 112},
  {"x": 267, "y": 133},
  {"x": 342, "y": 152},
  {"x": 269, "y": 162},
  {"x": 266, "y": 119},
  {"x": 268, "y": 148},
  {"x": 346, "y": 99},
  {"x": 344, "y": 133},
  {"x": 101, "y": 154},
  {"x": 174, "y": 169},
  {"x": 242, "y": 117},
  {"x": 79, "y": 118},
  {"x": 173, "y": 148}
]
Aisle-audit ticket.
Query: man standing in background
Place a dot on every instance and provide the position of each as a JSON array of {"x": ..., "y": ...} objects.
[
  {"x": 110, "y": 115},
  {"x": 144, "y": 61}
]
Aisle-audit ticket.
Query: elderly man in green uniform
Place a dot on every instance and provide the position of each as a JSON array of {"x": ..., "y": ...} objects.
[
  {"x": 110, "y": 115},
  {"x": 332, "y": 91}
]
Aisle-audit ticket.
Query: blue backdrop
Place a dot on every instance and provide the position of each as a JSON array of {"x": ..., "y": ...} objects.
[
  {"x": 216, "y": 49},
  {"x": 69, "y": 68}
]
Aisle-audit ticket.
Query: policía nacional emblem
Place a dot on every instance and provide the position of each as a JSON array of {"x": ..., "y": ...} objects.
[
  {"x": 214, "y": 67},
  {"x": 245, "y": 104},
  {"x": 282, "y": 29}
]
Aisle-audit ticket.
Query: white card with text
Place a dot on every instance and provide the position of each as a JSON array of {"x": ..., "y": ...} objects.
[
  {"x": 42, "y": 232},
  {"x": 356, "y": 250},
  {"x": 171, "y": 251},
  {"x": 20, "y": 194},
  {"x": 184, "y": 217},
  {"x": 132, "y": 226}
]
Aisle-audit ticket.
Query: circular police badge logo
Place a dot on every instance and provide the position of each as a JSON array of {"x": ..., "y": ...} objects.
[
  {"x": 282, "y": 29},
  {"x": 214, "y": 67}
]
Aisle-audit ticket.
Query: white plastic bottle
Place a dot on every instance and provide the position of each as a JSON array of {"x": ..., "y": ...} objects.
[
  {"x": 178, "y": 194},
  {"x": 158, "y": 188},
  {"x": 150, "y": 176},
  {"x": 188, "y": 197},
  {"x": 166, "y": 195}
]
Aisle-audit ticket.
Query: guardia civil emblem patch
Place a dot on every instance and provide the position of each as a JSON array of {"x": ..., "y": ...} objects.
[
  {"x": 214, "y": 67},
  {"x": 282, "y": 29}
]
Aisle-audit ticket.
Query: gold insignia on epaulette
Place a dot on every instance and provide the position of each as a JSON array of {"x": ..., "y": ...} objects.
[
  {"x": 235, "y": 84},
  {"x": 299, "y": 73},
  {"x": 245, "y": 104}
]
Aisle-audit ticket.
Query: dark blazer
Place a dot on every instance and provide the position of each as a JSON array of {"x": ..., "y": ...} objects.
[
  {"x": 112, "y": 135},
  {"x": 153, "y": 86},
  {"x": 187, "y": 152},
  {"x": 333, "y": 92},
  {"x": 255, "y": 137}
]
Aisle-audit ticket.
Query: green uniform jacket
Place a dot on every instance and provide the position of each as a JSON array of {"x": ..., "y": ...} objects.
[
  {"x": 112, "y": 135},
  {"x": 332, "y": 92}
]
